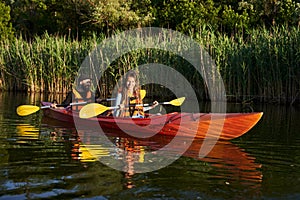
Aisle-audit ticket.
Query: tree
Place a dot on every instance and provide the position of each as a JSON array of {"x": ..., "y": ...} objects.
[
  {"x": 273, "y": 12},
  {"x": 31, "y": 17},
  {"x": 186, "y": 15},
  {"x": 77, "y": 18},
  {"x": 6, "y": 30},
  {"x": 110, "y": 15},
  {"x": 233, "y": 22}
]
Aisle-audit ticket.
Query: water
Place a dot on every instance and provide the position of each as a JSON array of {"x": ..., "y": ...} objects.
[{"x": 40, "y": 159}]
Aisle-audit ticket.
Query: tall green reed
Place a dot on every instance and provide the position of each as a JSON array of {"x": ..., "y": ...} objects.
[
  {"x": 46, "y": 64},
  {"x": 264, "y": 65}
]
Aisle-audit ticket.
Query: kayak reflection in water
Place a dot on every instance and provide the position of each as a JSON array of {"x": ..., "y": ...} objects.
[
  {"x": 131, "y": 90},
  {"x": 132, "y": 153},
  {"x": 225, "y": 162}
]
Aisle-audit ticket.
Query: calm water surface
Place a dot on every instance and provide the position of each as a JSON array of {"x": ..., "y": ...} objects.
[{"x": 40, "y": 159}]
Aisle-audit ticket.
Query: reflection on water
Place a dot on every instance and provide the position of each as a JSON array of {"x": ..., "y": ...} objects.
[
  {"x": 52, "y": 156},
  {"x": 227, "y": 159},
  {"x": 43, "y": 163},
  {"x": 40, "y": 159},
  {"x": 27, "y": 131}
]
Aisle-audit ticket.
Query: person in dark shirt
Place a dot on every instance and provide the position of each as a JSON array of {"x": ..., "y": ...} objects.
[{"x": 81, "y": 94}]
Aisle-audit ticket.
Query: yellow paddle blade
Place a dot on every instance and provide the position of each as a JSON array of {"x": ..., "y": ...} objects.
[
  {"x": 92, "y": 110},
  {"x": 27, "y": 110},
  {"x": 177, "y": 102},
  {"x": 143, "y": 93}
]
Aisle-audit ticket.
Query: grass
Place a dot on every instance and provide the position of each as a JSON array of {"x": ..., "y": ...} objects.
[{"x": 264, "y": 66}]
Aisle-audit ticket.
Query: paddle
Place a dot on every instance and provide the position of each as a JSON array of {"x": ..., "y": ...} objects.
[
  {"x": 94, "y": 109},
  {"x": 24, "y": 110}
]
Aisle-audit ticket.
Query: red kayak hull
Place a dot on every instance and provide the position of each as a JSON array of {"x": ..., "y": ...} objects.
[{"x": 224, "y": 126}]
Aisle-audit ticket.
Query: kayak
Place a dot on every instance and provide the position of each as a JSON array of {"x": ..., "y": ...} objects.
[{"x": 223, "y": 126}]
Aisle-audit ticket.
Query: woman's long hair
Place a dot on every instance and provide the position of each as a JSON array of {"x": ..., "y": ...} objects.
[{"x": 136, "y": 90}]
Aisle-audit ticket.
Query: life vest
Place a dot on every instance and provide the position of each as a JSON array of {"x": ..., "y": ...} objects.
[
  {"x": 132, "y": 110},
  {"x": 78, "y": 98}
]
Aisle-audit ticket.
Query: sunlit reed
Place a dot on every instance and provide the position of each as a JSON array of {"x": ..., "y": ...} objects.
[{"x": 264, "y": 66}]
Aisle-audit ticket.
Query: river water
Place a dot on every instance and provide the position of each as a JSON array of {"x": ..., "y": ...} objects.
[{"x": 42, "y": 159}]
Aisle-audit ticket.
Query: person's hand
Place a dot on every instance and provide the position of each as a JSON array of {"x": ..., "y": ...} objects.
[
  {"x": 53, "y": 105},
  {"x": 98, "y": 100},
  {"x": 155, "y": 103},
  {"x": 121, "y": 106}
]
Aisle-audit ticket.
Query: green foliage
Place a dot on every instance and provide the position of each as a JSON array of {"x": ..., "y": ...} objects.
[
  {"x": 30, "y": 17},
  {"x": 186, "y": 16},
  {"x": 6, "y": 29},
  {"x": 79, "y": 19},
  {"x": 235, "y": 21},
  {"x": 271, "y": 12},
  {"x": 243, "y": 16},
  {"x": 111, "y": 15}
]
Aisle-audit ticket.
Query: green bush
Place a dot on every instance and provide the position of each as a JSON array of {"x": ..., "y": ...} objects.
[{"x": 6, "y": 30}]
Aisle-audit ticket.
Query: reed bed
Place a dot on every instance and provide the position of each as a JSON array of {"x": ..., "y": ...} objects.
[
  {"x": 264, "y": 66},
  {"x": 46, "y": 64}
]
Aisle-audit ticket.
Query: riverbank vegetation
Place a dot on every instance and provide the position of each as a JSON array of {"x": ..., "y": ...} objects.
[{"x": 256, "y": 45}]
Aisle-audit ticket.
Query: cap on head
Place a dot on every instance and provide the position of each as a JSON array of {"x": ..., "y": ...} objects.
[{"x": 83, "y": 77}]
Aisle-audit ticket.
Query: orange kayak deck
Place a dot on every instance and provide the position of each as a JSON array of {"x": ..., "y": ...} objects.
[{"x": 223, "y": 126}]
